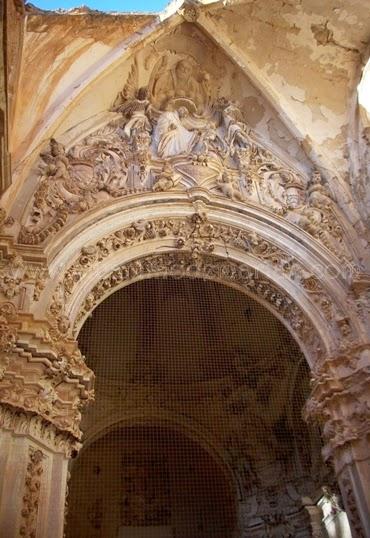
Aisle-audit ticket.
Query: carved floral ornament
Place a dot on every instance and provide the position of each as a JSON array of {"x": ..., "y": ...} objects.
[
  {"x": 191, "y": 240},
  {"x": 31, "y": 495},
  {"x": 170, "y": 132}
]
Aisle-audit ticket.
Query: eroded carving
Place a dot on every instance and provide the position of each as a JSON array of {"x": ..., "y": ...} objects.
[{"x": 31, "y": 495}]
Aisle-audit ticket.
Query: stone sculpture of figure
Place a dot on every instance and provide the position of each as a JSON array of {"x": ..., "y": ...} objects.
[
  {"x": 136, "y": 110},
  {"x": 179, "y": 81},
  {"x": 229, "y": 187},
  {"x": 166, "y": 180},
  {"x": 170, "y": 137},
  {"x": 57, "y": 164},
  {"x": 318, "y": 194},
  {"x": 237, "y": 133}
]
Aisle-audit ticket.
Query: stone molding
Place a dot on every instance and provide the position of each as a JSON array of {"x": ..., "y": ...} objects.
[
  {"x": 39, "y": 430},
  {"x": 200, "y": 236}
]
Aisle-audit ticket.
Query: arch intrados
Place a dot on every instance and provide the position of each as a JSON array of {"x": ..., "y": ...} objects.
[
  {"x": 183, "y": 428},
  {"x": 304, "y": 349}
]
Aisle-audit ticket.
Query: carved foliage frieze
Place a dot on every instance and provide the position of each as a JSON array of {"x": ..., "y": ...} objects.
[
  {"x": 38, "y": 428},
  {"x": 206, "y": 266}
]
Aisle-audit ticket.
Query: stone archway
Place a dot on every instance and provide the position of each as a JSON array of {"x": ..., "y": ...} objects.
[
  {"x": 171, "y": 179},
  {"x": 116, "y": 341}
]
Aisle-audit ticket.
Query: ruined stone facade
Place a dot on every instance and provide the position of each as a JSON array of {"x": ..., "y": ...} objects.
[{"x": 218, "y": 141}]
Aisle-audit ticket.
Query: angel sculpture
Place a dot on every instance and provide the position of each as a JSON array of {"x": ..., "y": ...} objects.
[
  {"x": 133, "y": 104},
  {"x": 229, "y": 187},
  {"x": 237, "y": 133},
  {"x": 55, "y": 161}
]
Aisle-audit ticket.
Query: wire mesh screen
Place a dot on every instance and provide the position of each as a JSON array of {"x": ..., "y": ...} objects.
[{"x": 199, "y": 395}]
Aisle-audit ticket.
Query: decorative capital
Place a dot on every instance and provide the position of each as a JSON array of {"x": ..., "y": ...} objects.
[{"x": 56, "y": 387}]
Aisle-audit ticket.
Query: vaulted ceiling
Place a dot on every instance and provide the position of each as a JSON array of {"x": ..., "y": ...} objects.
[{"x": 303, "y": 59}]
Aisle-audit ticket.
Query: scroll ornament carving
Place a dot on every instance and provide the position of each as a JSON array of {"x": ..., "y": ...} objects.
[
  {"x": 340, "y": 402},
  {"x": 205, "y": 266},
  {"x": 31, "y": 495},
  {"x": 36, "y": 427},
  {"x": 172, "y": 133}
]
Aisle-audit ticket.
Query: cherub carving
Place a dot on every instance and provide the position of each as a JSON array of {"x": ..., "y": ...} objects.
[
  {"x": 56, "y": 163},
  {"x": 166, "y": 180},
  {"x": 133, "y": 104},
  {"x": 229, "y": 187}
]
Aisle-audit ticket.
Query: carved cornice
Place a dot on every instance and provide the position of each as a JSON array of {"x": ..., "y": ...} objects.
[
  {"x": 43, "y": 376},
  {"x": 21, "y": 422}
]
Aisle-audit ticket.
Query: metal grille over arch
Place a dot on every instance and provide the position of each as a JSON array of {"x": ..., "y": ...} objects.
[{"x": 214, "y": 362}]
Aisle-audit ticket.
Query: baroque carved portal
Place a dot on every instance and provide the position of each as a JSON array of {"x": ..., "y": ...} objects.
[{"x": 172, "y": 132}]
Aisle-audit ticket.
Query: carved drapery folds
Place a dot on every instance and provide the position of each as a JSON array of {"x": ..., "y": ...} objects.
[{"x": 170, "y": 134}]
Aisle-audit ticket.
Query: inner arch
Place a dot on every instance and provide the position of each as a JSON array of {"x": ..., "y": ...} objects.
[{"x": 201, "y": 352}]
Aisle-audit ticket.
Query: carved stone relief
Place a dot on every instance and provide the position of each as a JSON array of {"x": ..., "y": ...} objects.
[
  {"x": 198, "y": 236},
  {"x": 39, "y": 382},
  {"x": 173, "y": 133},
  {"x": 36, "y": 427},
  {"x": 339, "y": 400},
  {"x": 31, "y": 495}
]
